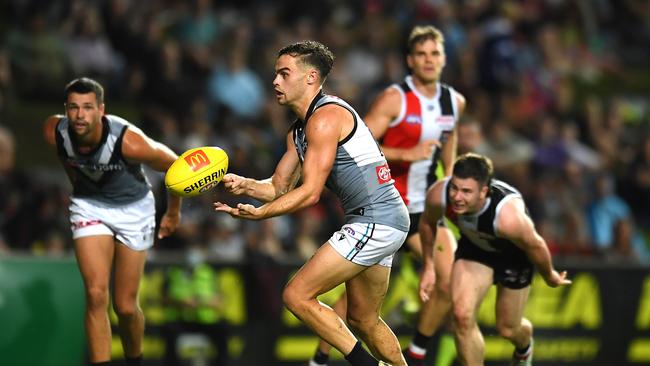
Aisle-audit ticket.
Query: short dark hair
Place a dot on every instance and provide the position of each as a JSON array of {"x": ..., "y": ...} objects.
[
  {"x": 311, "y": 53},
  {"x": 421, "y": 33},
  {"x": 84, "y": 86},
  {"x": 475, "y": 166}
]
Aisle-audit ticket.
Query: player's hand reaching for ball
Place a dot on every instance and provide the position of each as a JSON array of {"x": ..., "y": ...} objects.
[
  {"x": 234, "y": 184},
  {"x": 243, "y": 210}
]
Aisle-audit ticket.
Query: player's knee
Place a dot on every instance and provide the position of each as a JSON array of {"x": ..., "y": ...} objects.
[
  {"x": 125, "y": 307},
  {"x": 291, "y": 299},
  {"x": 361, "y": 323},
  {"x": 513, "y": 330},
  {"x": 463, "y": 318},
  {"x": 97, "y": 297},
  {"x": 354, "y": 322},
  {"x": 443, "y": 290},
  {"x": 506, "y": 331}
]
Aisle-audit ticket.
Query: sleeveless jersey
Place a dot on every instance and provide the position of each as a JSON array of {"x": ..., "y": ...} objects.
[
  {"x": 360, "y": 176},
  {"x": 102, "y": 174},
  {"x": 420, "y": 118},
  {"x": 479, "y": 228}
]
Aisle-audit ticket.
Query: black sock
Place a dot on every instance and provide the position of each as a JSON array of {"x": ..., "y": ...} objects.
[
  {"x": 321, "y": 358},
  {"x": 522, "y": 351},
  {"x": 420, "y": 340},
  {"x": 360, "y": 357},
  {"x": 105, "y": 363},
  {"x": 134, "y": 361}
]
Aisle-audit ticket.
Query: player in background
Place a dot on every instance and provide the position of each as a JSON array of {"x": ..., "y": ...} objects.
[
  {"x": 415, "y": 122},
  {"x": 112, "y": 211},
  {"x": 498, "y": 245}
]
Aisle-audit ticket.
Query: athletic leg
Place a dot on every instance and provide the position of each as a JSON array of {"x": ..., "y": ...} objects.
[
  {"x": 510, "y": 322},
  {"x": 95, "y": 257},
  {"x": 129, "y": 265},
  {"x": 434, "y": 312},
  {"x": 324, "y": 271},
  {"x": 366, "y": 293},
  {"x": 470, "y": 282},
  {"x": 322, "y": 352}
]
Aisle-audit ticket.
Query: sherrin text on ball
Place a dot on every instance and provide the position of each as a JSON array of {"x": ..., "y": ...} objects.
[{"x": 197, "y": 171}]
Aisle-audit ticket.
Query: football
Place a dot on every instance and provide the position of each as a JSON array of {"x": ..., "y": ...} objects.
[{"x": 196, "y": 171}]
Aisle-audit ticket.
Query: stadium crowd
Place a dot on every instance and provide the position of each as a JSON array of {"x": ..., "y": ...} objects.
[{"x": 557, "y": 95}]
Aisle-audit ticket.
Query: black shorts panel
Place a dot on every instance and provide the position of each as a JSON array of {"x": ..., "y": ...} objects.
[
  {"x": 413, "y": 230},
  {"x": 512, "y": 268},
  {"x": 415, "y": 223}
]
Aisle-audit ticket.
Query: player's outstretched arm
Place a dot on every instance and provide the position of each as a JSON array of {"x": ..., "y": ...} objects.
[
  {"x": 427, "y": 229},
  {"x": 139, "y": 148},
  {"x": 285, "y": 178},
  {"x": 514, "y": 224},
  {"x": 323, "y": 132}
]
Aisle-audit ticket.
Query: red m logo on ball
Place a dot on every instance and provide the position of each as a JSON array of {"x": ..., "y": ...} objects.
[{"x": 197, "y": 160}]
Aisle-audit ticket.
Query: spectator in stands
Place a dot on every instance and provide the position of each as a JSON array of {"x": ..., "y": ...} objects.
[
  {"x": 8, "y": 204},
  {"x": 611, "y": 223},
  {"x": 470, "y": 136},
  {"x": 194, "y": 303},
  {"x": 15, "y": 197},
  {"x": 636, "y": 185},
  {"x": 38, "y": 56},
  {"x": 89, "y": 49},
  {"x": 235, "y": 86},
  {"x": 511, "y": 153}
]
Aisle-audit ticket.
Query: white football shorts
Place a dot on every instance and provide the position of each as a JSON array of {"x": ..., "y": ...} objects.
[
  {"x": 133, "y": 224},
  {"x": 368, "y": 244}
]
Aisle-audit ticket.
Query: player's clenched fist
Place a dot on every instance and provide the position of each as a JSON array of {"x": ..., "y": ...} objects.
[{"x": 234, "y": 183}]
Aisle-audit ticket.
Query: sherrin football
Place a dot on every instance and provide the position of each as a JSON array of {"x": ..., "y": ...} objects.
[{"x": 197, "y": 171}]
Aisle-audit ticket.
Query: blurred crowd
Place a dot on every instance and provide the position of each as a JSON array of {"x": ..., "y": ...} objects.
[{"x": 557, "y": 95}]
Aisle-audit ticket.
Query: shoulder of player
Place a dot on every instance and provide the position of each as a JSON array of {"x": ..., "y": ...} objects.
[
  {"x": 49, "y": 125},
  {"x": 511, "y": 218},
  {"x": 389, "y": 98},
  {"x": 461, "y": 102},
  {"x": 434, "y": 193},
  {"x": 460, "y": 99},
  {"x": 329, "y": 114},
  {"x": 53, "y": 119},
  {"x": 135, "y": 144},
  {"x": 327, "y": 123}
]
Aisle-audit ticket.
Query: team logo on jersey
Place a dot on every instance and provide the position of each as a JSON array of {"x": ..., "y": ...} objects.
[
  {"x": 413, "y": 118},
  {"x": 383, "y": 174},
  {"x": 349, "y": 230},
  {"x": 84, "y": 223},
  {"x": 90, "y": 166},
  {"x": 445, "y": 120},
  {"x": 197, "y": 160}
]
